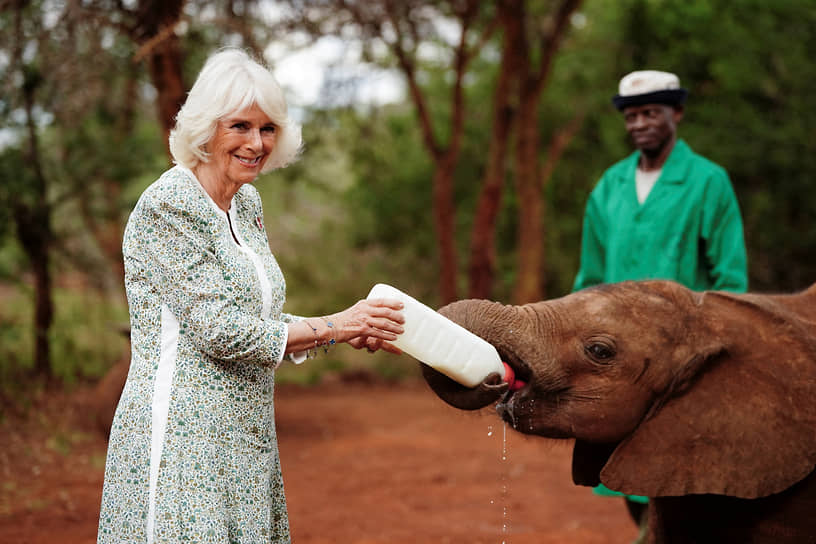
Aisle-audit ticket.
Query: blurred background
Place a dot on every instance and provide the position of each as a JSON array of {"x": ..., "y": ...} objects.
[{"x": 450, "y": 148}]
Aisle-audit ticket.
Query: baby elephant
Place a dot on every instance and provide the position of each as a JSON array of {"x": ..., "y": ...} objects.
[{"x": 704, "y": 402}]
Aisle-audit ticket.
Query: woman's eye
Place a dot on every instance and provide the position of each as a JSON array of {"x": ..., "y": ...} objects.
[
  {"x": 269, "y": 129},
  {"x": 239, "y": 126},
  {"x": 600, "y": 352}
]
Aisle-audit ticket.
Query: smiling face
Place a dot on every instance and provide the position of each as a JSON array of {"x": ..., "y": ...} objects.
[{"x": 237, "y": 152}]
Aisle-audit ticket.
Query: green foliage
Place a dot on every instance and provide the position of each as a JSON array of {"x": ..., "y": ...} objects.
[
  {"x": 14, "y": 178},
  {"x": 356, "y": 209},
  {"x": 311, "y": 372},
  {"x": 87, "y": 334},
  {"x": 86, "y": 338},
  {"x": 345, "y": 361},
  {"x": 16, "y": 342},
  {"x": 93, "y": 155},
  {"x": 392, "y": 180},
  {"x": 750, "y": 109}
]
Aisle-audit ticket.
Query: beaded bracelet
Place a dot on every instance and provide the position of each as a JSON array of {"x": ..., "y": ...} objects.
[
  {"x": 330, "y": 325},
  {"x": 311, "y": 354}
]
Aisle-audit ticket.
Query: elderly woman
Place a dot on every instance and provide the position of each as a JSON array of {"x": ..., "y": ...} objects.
[{"x": 193, "y": 454}]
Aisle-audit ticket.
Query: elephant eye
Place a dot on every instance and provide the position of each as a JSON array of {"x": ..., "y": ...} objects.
[{"x": 600, "y": 352}]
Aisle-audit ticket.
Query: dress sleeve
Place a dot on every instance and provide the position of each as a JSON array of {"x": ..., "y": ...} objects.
[
  {"x": 723, "y": 234},
  {"x": 166, "y": 245}
]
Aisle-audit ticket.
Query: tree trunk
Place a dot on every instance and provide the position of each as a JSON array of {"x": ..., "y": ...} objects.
[
  {"x": 43, "y": 313},
  {"x": 404, "y": 27},
  {"x": 166, "y": 74},
  {"x": 444, "y": 221},
  {"x": 530, "y": 280},
  {"x": 445, "y": 157},
  {"x": 530, "y": 233},
  {"x": 520, "y": 87},
  {"x": 154, "y": 32},
  {"x": 483, "y": 237},
  {"x": 32, "y": 214}
]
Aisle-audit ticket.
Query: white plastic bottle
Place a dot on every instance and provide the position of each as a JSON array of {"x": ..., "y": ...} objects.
[{"x": 439, "y": 342}]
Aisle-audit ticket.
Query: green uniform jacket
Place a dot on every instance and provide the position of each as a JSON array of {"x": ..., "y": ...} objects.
[{"x": 688, "y": 230}]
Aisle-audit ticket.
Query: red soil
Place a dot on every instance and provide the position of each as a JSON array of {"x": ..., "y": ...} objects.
[{"x": 362, "y": 464}]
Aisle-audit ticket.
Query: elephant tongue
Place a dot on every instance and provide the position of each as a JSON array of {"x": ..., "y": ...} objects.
[{"x": 510, "y": 378}]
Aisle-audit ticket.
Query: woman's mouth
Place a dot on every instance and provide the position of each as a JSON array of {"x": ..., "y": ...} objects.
[{"x": 248, "y": 162}]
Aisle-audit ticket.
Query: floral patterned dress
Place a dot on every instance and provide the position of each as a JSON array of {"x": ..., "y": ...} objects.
[{"x": 193, "y": 454}]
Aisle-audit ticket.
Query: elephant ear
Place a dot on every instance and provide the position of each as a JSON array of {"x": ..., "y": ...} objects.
[{"x": 745, "y": 424}]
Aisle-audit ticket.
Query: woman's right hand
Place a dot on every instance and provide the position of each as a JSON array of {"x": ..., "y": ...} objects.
[
  {"x": 370, "y": 323},
  {"x": 373, "y": 344}
]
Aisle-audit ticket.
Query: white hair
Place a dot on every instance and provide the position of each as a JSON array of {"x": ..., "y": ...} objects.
[{"x": 231, "y": 81}]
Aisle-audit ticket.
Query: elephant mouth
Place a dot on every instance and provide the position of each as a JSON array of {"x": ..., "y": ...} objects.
[
  {"x": 508, "y": 408},
  {"x": 523, "y": 408},
  {"x": 522, "y": 371},
  {"x": 518, "y": 411}
]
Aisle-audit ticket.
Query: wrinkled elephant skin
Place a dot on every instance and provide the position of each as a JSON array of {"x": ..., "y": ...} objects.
[{"x": 704, "y": 402}]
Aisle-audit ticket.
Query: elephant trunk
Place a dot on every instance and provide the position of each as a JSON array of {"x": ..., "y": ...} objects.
[{"x": 483, "y": 318}]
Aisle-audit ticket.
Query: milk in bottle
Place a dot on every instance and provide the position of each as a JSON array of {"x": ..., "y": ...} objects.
[{"x": 442, "y": 344}]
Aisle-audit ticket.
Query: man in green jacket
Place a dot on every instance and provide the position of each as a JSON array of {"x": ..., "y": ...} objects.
[{"x": 664, "y": 212}]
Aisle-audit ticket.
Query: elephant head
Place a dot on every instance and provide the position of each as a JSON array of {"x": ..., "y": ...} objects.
[{"x": 666, "y": 391}]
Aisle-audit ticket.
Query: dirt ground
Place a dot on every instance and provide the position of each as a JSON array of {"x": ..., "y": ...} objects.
[{"x": 363, "y": 463}]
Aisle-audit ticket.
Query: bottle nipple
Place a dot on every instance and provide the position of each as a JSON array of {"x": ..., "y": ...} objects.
[{"x": 510, "y": 378}]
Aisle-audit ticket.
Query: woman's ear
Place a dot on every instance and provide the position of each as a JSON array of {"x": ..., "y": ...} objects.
[{"x": 744, "y": 426}]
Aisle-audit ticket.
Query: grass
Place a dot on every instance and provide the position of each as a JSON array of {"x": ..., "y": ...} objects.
[
  {"x": 86, "y": 340},
  {"x": 85, "y": 337}
]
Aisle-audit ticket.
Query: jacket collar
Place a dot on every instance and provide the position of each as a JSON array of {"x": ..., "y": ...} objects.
[{"x": 674, "y": 169}]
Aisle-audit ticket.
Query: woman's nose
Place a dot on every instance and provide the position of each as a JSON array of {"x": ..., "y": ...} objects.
[{"x": 255, "y": 139}]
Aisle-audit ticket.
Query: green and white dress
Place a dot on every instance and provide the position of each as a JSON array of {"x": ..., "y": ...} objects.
[{"x": 193, "y": 454}]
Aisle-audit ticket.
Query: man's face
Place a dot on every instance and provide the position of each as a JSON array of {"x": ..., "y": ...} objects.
[{"x": 651, "y": 126}]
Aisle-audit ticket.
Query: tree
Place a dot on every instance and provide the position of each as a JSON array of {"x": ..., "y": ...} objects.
[
  {"x": 154, "y": 26},
  {"x": 26, "y": 183},
  {"x": 405, "y": 27},
  {"x": 151, "y": 25},
  {"x": 531, "y": 41},
  {"x": 66, "y": 163}
]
